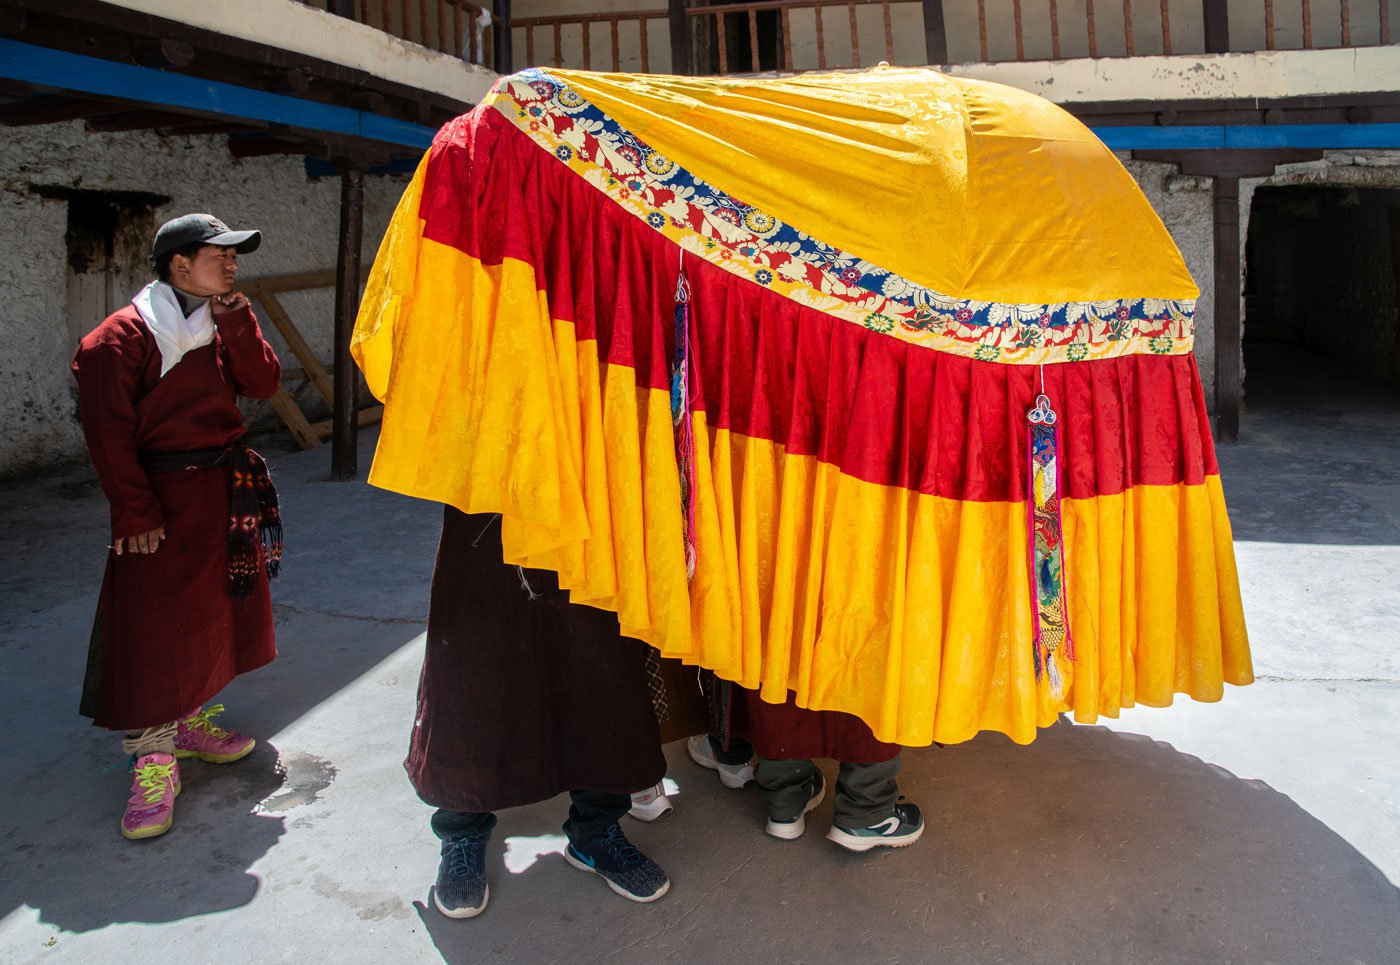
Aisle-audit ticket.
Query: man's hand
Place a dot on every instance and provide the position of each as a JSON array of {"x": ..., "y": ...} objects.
[
  {"x": 145, "y": 543},
  {"x": 232, "y": 302}
]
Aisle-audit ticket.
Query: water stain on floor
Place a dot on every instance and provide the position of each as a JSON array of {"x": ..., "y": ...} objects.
[
  {"x": 369, "y": 907},
  {"x": 304, "y": 776}
]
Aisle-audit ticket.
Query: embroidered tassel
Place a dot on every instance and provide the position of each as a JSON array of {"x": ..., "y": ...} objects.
[
  {"x": 1052, "y": 647},
  {"x": 254, "y": 523},
  {"x": 680, "y": 417}
]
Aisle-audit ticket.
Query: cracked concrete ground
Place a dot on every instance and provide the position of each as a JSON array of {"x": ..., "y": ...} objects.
[{"x": 1260, "y": 829}]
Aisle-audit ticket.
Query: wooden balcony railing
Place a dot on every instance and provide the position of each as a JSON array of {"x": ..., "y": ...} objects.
[
  {"x": 455, "y": 27},
  {"x": 747, "y": 36},
  {"x": 567, "y": 39}
]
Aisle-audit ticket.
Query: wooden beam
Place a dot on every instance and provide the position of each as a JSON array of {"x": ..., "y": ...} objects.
[
  {"x": 162, "y": 53},
  {"x": 306, "y": 435},
  {"x": 681, "y": 44},
  {"x": 297, "y": 342},
  {"x": 51, "y": 110},
  {"x": 501, "y": 43},
  {"x": 12, "y": 22},
  {"x": 138, "y": 121},
  {"x": 935, "y": 32},
  {"x": 265, "y": 145},
  {"x": 347, "y": 297},
  {"x": 1230, "y": 163},
  {"x": 1229, "y": 389},
  {"x": 367, "y": 417},
  {"x": 1216, "y": 15},
  {"x": 295, "y": 81}
]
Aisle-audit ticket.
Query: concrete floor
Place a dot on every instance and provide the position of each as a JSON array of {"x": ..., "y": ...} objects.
[{"x": 1265, "y": 828}]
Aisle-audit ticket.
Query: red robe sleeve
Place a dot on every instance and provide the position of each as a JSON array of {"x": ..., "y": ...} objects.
[
  {"x": 108, "y": 367},
  {"x": 253, "y": 364}
]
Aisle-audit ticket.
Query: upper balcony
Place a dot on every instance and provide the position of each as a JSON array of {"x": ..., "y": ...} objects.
[
  {"x": 1089, "y": 52},
  {"x": 751, "y": 36}
]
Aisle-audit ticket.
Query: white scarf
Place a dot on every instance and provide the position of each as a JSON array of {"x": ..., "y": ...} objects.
[{"x": 175, "y": 334}]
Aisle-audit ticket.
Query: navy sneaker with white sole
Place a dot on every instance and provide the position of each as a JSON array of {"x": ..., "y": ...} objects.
[
  {"x": 613, "y": 858},
  {"x": 461, "y": 890},
  {"x": 900, "y": 829}
]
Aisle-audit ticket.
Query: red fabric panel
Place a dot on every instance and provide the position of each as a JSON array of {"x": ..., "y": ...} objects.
[
  {"x": 788, "y": 732},
  {"x": 882, "y": 410}
]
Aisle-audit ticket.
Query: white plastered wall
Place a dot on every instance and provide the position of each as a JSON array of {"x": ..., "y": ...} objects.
[{"x": 299, "y": 219}]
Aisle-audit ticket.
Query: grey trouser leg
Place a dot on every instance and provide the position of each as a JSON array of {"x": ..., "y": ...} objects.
[
  {"x": 785, "y": 786},
  {"x": 866, "y": 793}
]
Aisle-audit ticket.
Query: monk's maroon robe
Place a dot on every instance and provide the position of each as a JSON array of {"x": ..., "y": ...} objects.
[{"x": 167, "y": 636}]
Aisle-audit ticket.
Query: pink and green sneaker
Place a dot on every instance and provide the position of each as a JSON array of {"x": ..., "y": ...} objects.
[
  {"x": 200, "y": 737},
  {"x": 155, "y": 783}
]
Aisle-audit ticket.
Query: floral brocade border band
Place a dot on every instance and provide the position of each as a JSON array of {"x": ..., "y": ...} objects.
[{"x": 751, "y": 243}]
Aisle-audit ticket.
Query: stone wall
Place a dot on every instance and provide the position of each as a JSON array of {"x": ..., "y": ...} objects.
[{"x": 40, "y": 167}]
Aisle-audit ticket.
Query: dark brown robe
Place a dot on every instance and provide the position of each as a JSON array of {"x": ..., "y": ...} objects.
[{"x": 523, "y": 694}]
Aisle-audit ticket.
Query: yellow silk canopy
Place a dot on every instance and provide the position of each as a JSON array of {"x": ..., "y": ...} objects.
[{"x": 969, "y": 188}]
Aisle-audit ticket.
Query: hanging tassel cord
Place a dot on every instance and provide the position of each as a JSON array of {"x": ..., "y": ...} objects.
[
  {"x": 682, "y": 403},
  {"x": 1051, "y": 645}
]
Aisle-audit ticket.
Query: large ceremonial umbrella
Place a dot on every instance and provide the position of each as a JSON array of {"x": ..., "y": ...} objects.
[{"x": 875, "y": 388}]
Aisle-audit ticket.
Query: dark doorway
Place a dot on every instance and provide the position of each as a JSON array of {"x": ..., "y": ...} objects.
[
  {"x": 109, "y": 252},
  {"x": 1322, "y": 292},
  {"x": 737, "y": 34}
]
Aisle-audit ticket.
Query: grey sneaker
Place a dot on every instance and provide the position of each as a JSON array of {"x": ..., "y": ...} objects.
[
  {"x": 461, "y": 890},
  {"x": 732, "y": 776},
  {"x": 650, "y": 804},
  {"x": 613, "y": 858},
  {"x": 792, "y": 828},
  {"x": 900, "y": 829}
]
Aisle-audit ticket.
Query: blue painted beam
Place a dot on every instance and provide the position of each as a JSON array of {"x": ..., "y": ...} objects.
[
  {"x": 1314, "y": 136},
  {"x": 1185, "y": 138},
  {"x": 1203, "y": 138},
  {"x": 58, "y": 69}
]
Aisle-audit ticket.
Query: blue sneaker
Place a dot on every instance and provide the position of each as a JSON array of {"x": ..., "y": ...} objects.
[
  {"x": 627, "y": 871},
  {"x": 461, "y": 890},
  {"x": 900, "y": 829}
]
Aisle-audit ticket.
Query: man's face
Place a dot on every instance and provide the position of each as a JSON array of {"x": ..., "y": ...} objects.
[{"x": 210, "y": 272}]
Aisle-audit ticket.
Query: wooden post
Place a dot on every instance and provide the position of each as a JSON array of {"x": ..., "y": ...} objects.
[
  {"x": 681, "y": 45},
  {"x": 1227, "y": 308},
  {"x": 1216, "y": 15},
  {"x": 347, "y": 298},
  {"x": 501, "y": 36},
  {"x": 935, "y": 32},
  {"x": 341, "y": 8}
]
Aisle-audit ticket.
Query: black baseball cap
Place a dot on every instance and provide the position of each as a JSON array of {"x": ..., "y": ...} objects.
[{"x": 204, "y": 229}]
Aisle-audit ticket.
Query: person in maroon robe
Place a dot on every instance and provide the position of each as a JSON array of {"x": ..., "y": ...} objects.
[{"x": 196, "y": 533}]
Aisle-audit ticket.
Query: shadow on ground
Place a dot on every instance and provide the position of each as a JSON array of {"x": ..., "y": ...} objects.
[
  {"x": 65, "y": 852},
  {"x": 1089, "y": 846},
  {"x": 337, "y": 616}
]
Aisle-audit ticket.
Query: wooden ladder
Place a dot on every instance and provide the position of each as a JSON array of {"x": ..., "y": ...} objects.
[{"x": 309, "y": 435}]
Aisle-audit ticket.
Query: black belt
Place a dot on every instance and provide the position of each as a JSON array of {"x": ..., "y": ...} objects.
[{"x": 179, "y": 461}]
